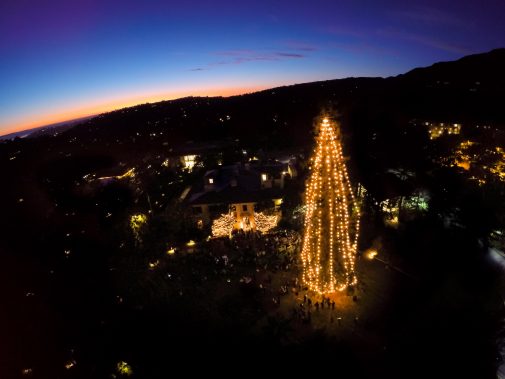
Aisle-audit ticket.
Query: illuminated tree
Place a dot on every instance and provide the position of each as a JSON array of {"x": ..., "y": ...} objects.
[
  {"x": 332, "y": 217},
  {"x": 124, "y": 369},
  {"x": 222, "y": 226},
  {"x": 264, "y": 222},
  {"x": 137, "y": 223}
]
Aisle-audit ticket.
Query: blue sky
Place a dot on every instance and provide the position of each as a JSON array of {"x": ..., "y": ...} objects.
[{"x": 67, "y": 59}]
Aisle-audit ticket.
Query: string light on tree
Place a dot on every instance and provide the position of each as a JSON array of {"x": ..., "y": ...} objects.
[
  {"x": 332, "y": 217},
  {"x": 223, "y": 226},
  {"x": 264, "y": 222}
]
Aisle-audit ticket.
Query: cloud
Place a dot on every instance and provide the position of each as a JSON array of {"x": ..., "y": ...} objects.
[
  {"x": 300, "y": 45},
  {"x": 244, "y": 56},
  {"x": 240, "y": 52},
  {"x": 290, "y": 55},
  {"x": 235, "y": 57},
  {"x": 428, "y": 41}
]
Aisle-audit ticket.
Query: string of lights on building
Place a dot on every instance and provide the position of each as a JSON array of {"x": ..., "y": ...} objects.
[
  {"x": 224, "y": 225},
  {"x": 331, "y": 219}
]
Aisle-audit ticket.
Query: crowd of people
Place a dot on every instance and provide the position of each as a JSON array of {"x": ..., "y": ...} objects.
[{"x": 266, "y": 265}]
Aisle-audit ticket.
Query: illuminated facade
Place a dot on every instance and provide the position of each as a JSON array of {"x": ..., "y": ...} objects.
[
  {"x": 189, "y": 161},
  {"x": 224, "y": 225},
  {"x": 331, "y": 219},
  {"x": 240, "y": 197}
]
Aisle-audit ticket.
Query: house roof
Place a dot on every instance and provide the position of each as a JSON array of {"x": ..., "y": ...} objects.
[
  {"x": 236, "y": 184},
  {"x": 233, "y": 195}
]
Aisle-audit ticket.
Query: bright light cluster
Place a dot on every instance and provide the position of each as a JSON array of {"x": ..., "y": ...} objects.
[
  {"x": 127, "y": 175},
  {"x": 331, "y": 219},
  {"x": 498, "y": 167},
  {"x": 222, "y": 226},
  {"x": 438, "y": 130},
  {"x": 482, "y": 163},
  {"x": 371, "y": 254},
  {"x": 124, "y": 368},
  {"x": 136, "y": 223},
  {"x": 264, "y": 222},
  {"x": 189, "y": 162}
]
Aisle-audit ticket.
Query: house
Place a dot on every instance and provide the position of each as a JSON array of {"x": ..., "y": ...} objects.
[
  {"x": 247, "y": 194},
  {"x": 186, "y": 156}
]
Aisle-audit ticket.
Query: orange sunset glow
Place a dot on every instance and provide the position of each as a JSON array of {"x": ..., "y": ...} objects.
[{"x": 96, "y": 107}]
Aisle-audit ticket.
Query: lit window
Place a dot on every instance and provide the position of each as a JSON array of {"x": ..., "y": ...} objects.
[
  {"x": 189, "y": 161},
  {"x": 211, "y": 181},
  {"x": 264, "y": 177}
]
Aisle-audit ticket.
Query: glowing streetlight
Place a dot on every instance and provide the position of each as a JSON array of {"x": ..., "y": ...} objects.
[{"x": 371, "y": 254}]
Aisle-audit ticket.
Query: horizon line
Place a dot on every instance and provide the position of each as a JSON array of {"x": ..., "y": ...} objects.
[
  {"x": 118, "y": 104},
  {"x": 111, "y": 105},
  {"x": 108, "y": 107}
]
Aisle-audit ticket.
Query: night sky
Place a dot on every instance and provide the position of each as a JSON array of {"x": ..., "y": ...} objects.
[{"x": 64, "y": 59}]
